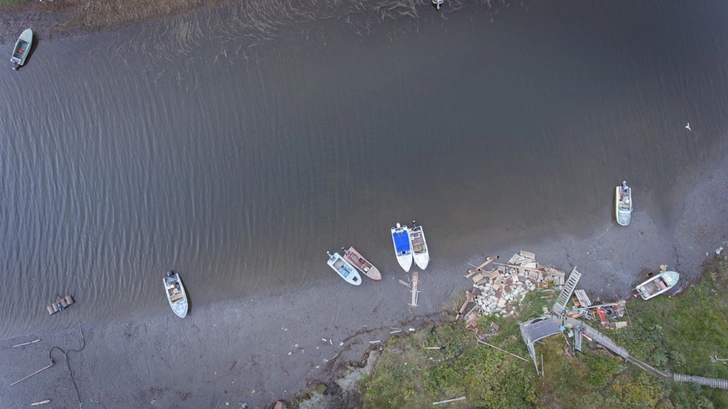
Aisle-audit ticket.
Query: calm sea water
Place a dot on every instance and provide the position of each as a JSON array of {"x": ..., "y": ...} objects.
[{"x": 238, "y": 162}]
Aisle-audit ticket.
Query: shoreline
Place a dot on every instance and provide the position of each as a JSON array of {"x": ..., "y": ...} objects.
[{"x": 270, "y": 348}]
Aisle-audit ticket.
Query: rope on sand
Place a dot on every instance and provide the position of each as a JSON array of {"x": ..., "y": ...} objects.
[{"x": 68, "y": 364}]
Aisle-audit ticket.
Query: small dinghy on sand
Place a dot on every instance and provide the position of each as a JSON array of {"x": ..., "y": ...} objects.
[
  {"x": 176, "y": 294},
  {"x": 402, "y": 247},
  {"x": 61, "y": 304},
  {"x": 657, "y": 285}
]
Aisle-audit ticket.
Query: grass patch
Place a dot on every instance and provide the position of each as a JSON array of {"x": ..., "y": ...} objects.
[{"x": 673, "y": 334}]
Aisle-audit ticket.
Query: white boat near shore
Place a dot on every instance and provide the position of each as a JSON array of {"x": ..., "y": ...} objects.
[
  {"x": 176, "y": 294},
  {"x": 657, "y": 284},
  {"x": 421, "y": 253},
  {"x": 22, "y": 48},
  {"x": 623, "y": 204},
  {"x": 343, "y": 269},
  {"x": 402, "y": 246},
  {"x": 360, "y": 263}
]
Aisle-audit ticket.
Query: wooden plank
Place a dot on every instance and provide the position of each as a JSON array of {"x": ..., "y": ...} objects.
[
  {"x": 488, "y": 260},
  {"x": 519, "y": 267},
  {"x": 582, "y": 297},
  {"x": 527, "y": 254},
  {"x": 415, "y": 278}
]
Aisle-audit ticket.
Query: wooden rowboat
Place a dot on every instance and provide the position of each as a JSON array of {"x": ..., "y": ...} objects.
[
  {"x": 360, "y": 263},
  {"x": 61, "y": 304}
]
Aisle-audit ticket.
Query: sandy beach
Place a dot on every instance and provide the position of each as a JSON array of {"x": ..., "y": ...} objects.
[{"x": 255, "y": 351}]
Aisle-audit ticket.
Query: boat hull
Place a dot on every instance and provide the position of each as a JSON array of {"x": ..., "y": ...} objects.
[
  {"x": 420, "y": 252},
  {"x": 22, "y": 48},
  {"x": 657, "y": 285},
  {"x": 402, "y": 246},
  {"x": 623, "y": 205},
  {"x": 355, "y": 258},
  {"x": 176, "y": 294},
  {"x": 344, "y": 269}
]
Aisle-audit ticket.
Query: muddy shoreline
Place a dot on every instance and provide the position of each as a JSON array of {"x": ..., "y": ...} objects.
[{"x": 257, "y": 351}]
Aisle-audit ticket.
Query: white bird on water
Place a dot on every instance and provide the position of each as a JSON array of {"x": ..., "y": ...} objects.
[{"x": 688, "y": 127}]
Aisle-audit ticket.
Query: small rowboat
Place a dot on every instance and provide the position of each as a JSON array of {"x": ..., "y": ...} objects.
[
  {"x": 402, "y": 247},
  {"x": 360, "y": 263},
  {"x": 22, "y": 48},
  {"x": 344, "y": 269},
  {"x": 61, "y": 304},
  {"x": 176, "y": 294},
  {"x": 419, "y": 246},
  {"x": 623, "y": 204},
  {"x": 657, "y": 285}
]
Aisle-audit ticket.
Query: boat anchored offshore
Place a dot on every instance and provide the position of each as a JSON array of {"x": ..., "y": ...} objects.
[
  {"x": 623, "y": 204},
  {"x": 176, "y": 294},
  {"x": 657, "y": 284},
  {"x": 419, "y": 246},
  {"x": 344, "y": 269},
  {"x": 402, "y": 247},
  {"x": 360, "y": 263},
  {"x": 22, "y": 48}
]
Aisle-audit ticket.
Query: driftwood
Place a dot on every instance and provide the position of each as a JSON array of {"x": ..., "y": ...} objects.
[
  {"x": 502, "y": 350},
  {"x": 448, "y": 401},
  {"x": 488, "y": 260},
  {"x": 26, "y": 343}
]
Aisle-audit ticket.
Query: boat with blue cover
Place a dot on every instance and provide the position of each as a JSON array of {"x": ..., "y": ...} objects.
[
  {"x": 344, "y": 269},
  {"x": 402, "y": 246},
  {"x": 420, "y": 252}
]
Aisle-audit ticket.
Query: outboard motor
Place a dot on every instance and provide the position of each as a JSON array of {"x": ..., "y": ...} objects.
[{"x": 437, "y": 3}]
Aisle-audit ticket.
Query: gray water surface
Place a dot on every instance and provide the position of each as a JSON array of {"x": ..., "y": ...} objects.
[{"x": 239, "y": 166}]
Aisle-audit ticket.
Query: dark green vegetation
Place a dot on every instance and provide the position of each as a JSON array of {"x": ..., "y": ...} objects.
[{"x": 673, "y": 334}]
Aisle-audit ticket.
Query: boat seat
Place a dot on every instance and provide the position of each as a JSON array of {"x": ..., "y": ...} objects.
[
  {"x": 661, "y": 284},
  {"x": 176, "y": 297}
]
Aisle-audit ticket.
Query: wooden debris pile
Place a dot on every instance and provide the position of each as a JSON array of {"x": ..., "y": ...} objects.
[{"x": 505, "y": 286}]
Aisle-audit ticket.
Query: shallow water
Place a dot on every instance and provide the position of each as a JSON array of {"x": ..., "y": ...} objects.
[{"x": 238, "y": 162}]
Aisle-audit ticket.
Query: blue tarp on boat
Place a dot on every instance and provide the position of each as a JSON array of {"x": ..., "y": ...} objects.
[{"x": 401, "y": 241}]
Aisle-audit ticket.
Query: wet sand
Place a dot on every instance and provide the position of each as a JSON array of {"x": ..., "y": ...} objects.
[{"x": 258, "y": 350}]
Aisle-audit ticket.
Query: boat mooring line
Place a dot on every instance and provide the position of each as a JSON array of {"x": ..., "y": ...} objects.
[{"x": 68, "y": 364}]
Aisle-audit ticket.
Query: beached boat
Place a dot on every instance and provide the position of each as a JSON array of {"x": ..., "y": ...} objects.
[
  {"x": 657, "y": 285},
  {"x": 176, "y": 294},
  {"x": 22, "y": 48},
  {"x": 623, "y": 204},
  {"x": 420, "y": 252},
  {"x": 402, "y": 246},
  {"x": 360, "y": 263},
  {"x": 61, "y": 304},
  {"x": 344, "y": 269}
]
